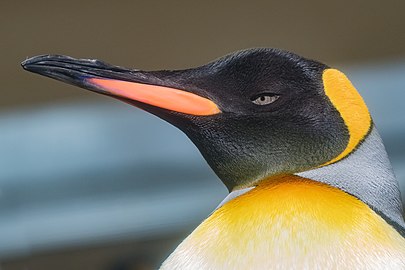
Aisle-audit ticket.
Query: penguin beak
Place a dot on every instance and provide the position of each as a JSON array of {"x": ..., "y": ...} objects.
[{"x": 133, "y": 86}]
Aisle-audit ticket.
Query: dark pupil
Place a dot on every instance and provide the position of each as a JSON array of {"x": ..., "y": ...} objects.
[{"x": 262, "y": 98}]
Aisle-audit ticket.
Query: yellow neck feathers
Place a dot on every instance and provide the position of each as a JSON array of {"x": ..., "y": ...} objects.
[
  {"x": 351, "y": 107},
  {"x": 291, "y": 223}
]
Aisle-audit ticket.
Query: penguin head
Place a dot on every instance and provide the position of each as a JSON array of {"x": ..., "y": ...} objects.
[{"x": 252, "y": 114}]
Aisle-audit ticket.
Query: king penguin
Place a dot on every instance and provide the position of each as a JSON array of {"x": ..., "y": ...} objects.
[{"x": 310, "y": 183}]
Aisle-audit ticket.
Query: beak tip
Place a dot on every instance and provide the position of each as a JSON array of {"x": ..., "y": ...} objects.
[
  {"x": 31, "y": 61},
  {"x": 41, "y": 58},
  {"x": 25, "y": 63}
]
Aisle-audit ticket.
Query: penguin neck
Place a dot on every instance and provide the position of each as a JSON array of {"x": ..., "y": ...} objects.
[
  {"x": 366, "y": 174},
  {"x": 345, "y": 211}
]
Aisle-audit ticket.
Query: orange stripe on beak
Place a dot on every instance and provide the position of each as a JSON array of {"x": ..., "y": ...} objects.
[{"x": 159, "y": 96}]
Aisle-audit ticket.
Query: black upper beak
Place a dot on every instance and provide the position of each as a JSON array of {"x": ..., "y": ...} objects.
[
  {"x": 75, "y": 71},
  {"x": 125, "y": 84},
  {"x": 58, "y": 66}
]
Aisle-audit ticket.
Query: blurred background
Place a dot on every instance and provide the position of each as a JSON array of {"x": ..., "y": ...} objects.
[{"x": 87, "y": 182}]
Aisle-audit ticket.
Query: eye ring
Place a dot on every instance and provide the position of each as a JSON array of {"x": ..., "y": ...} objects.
[{"x": 264, "y": 99}]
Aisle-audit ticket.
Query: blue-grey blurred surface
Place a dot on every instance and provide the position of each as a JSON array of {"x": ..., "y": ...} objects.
[{"x": 73, "y": 174}]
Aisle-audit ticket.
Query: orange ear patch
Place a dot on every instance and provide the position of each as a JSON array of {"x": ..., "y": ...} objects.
[
  {"x": 351, "y": 107},
  {"x": 159, "y": 96}
]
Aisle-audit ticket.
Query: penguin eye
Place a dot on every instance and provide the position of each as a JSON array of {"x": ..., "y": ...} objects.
[{"x": 264, "y": 99}]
